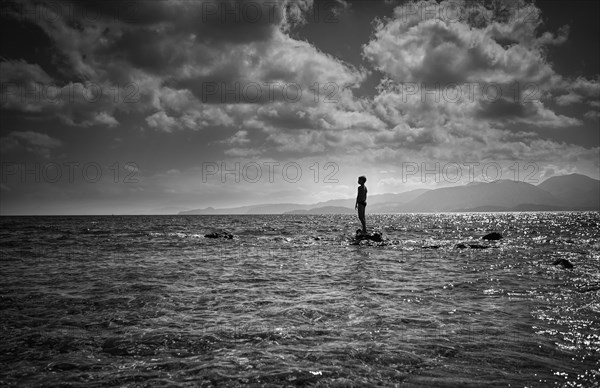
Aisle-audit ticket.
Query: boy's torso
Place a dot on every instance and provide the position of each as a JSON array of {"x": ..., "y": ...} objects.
[{"x": 362, "y": 194}]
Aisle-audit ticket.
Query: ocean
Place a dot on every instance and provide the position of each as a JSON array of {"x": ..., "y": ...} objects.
[{"x": 293, "y": 300}]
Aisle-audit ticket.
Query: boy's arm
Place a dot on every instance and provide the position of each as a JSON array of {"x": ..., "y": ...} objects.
[{"x": 356, "y": 203}]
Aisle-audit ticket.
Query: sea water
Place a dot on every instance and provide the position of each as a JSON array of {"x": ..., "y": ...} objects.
[{"x": 293, "y": 300}]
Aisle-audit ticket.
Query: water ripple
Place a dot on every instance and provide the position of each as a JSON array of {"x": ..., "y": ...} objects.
[{"x": 149, "y": 301}]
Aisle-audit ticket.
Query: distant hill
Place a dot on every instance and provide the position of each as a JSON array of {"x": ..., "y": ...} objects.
[
  {"x": 574, "y": 190},
  {"x": 378, "y": 203},
  {"x": 325, "y": 210},
  {"x": 347, "y": 203},
  {"x": 486, "y": 209},
  {"x": 374, "y": 200},
  {"x": 278, "y": 208},
  {"x": 525, "y": 207},
  {"x": 501, "y": 193},
  {"x": 568, "y": 192}
]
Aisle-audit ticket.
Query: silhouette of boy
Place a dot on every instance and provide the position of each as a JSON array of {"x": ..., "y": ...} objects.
[{"x": 361, "y": 202}]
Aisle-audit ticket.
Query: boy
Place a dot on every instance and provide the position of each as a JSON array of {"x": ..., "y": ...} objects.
[{"x": 361, "y": 202}]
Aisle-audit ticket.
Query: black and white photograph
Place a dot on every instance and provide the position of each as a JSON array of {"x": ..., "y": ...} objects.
[{"x": 314, "y": 193}]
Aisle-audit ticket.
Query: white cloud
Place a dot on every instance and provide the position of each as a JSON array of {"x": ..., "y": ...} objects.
[
  {"x": 162, "y": 121},
  {"x": 592, "y": 114},
  {"x": 505, "y": 83},
  {"x": 568, "y": 99}
]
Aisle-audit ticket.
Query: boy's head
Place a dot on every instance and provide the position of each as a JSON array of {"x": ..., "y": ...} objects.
[{"x": 362, "y": 180}]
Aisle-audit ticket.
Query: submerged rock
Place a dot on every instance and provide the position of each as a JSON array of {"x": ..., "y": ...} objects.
[
  {"x": 225, "y": 235},
  {"x": 492, "y": 236},
  {"x": 564, "y": 263},
  {"x": 472, "y": 246},
  {"x": 477, "y": 246}
]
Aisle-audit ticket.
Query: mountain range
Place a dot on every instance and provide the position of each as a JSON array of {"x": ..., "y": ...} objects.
[{"x": 567, "y": 192}]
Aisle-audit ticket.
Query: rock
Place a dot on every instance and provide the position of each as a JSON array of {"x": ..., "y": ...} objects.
[
  {"x": 564, "y": 263},
  {"x": 226, "y": 235},
  {"x": 492, "y": 236},
  {"x": 431, "y": 247},
  {"x": 116, "y": 347},
  {"x": 472, "y": 246},
  {"x": 375, "y": 236}
]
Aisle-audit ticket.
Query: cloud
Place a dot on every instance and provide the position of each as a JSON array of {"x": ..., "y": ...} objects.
[
  {"x": 239, "y": 138},
  {"x": 340, "y": 7},
  {"x": 498, "y": 81},
  {"x": 123, "y": 57},
  {"x": 37, "y": 139},
  {"x": 568, "y": 99},
  {"x": 592, "y": 114},
  {"x": 162, "y": 121},
  {"x": 462, "y": 88},
  {"x": 28, "y": 88},
  {"x": 548, "y": 38},
  {"x": 240, "y": 75},
  {"x": 22, "y": 85},
  {"x": 31, "y": 141},
  {"x": 579, "y": 90},
  {"x": 585, "y": 87}
]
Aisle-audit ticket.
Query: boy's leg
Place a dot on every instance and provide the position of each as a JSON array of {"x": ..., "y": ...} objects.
[{"x": 361, "y": 217}]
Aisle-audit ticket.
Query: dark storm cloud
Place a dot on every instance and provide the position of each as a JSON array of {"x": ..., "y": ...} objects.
[
  {"x": 160, "y": 47},
  {"x": 501, "y": 109},
  {"x": 211, "y": 20},
  {"x": 147, "y": 49}
]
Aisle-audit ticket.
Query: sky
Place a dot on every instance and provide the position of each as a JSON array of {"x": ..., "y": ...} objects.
[{"x": 152, "y": 107}]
